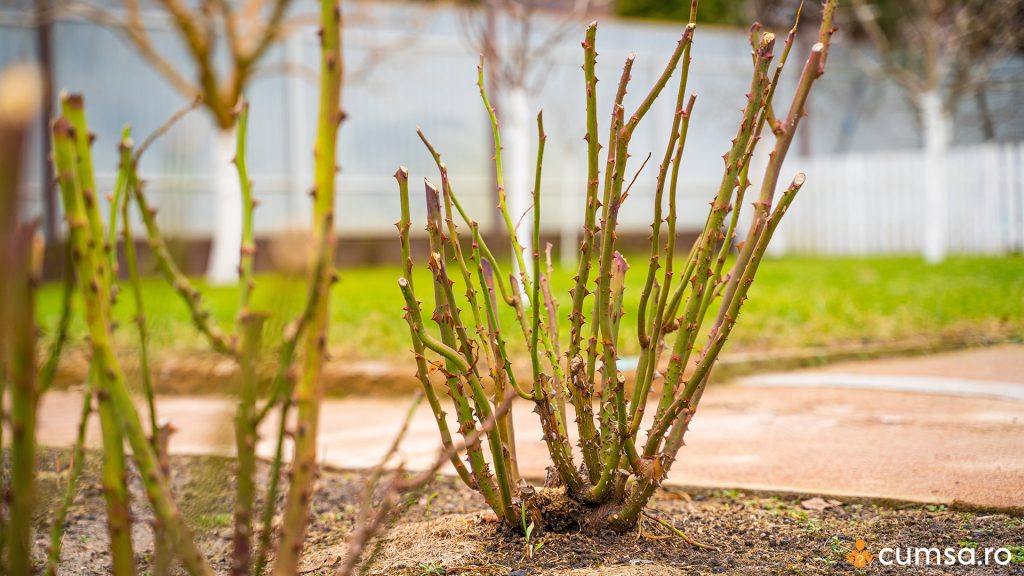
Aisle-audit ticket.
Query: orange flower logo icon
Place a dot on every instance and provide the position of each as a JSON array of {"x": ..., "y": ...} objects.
[{"x": 860, "y": 557}]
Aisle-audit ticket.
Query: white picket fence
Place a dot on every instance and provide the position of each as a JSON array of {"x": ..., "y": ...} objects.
[{"x": 861, "y": 204}]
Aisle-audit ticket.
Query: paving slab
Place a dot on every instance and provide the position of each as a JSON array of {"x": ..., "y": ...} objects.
[
  {"x": 922, "y": 444},
  {"x": 1001, "y": 363}
]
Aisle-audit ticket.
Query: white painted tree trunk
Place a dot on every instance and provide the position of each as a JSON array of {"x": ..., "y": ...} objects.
[
  {"x": 937, "y": 124},
  {"x": 518, "y": 172},
  {"x": 226, "y": 236}
]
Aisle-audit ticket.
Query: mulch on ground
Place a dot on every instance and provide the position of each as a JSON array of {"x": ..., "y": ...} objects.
[{"x": 447, "y": 530}]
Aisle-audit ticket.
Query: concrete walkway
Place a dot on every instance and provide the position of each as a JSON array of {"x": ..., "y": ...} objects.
[{"x": 944, "y": 428}]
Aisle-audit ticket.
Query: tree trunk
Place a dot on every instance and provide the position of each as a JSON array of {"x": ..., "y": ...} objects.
[
  {"x": 519, "y": 175},
  {"x": 937, "y": 127},
  {"x": 226, "y": 233}
]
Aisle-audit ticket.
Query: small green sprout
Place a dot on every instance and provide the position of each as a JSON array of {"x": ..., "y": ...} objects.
[{"x": 531, "y": 547}]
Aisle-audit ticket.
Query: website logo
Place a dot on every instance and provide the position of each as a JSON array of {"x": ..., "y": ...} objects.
[{"x": 862, "y": 557}]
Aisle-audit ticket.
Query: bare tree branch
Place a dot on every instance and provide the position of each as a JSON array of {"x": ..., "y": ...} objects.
[
  {"x": 866, "y": 17},
  {"x": 950, "y": 46},
  {"x": 198, "y": 27},
  {"x": 525, "y": 59}
]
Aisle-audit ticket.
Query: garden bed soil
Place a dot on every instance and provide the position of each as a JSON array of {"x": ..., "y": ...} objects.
[{"x": 446, "y": 529}]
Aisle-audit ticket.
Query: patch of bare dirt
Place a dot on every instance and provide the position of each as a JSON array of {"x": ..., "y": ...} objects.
[{"x": 446, "y": 530}]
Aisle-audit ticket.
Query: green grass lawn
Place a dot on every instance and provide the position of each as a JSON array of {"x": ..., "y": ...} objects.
[{"x": 794, "y": 303}]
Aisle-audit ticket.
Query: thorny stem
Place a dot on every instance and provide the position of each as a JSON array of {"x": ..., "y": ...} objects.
[
  {"x": 550, "y": 304},
  {"x": 249, "y": 327},
  {"x": 456, "y": 246},
  {"x": 115, "y": 478},
  {"x": 280, "y": 395},
  {"x": 627, "y": 487},
  {"x": 73, "y": 146},
  {"x": 517, "y": 248},
  {"x": 445, "y": 318},
  {"x": 682, "y": 408},
  {"x": 784, "y": 137},
  {"x": 309, "y": 390},
  {"x": 490, "y": 336},
  {"x": 20, "y": 95},
  {"x": 690, "y": 321},
  {"x": 580, "y": 385},
  {"x": 159, "y": 436},
  {"x": 17, "y": 333},
  {"x": 511, "y": 297},
  {"x": 485, "y": 482},
  {"x": 504, "y": 431},
  {"x": 136, "y": 283},
  {"x": 506, "y": 295},
  {"x": 484, "y": 258},
  {"x": 251, "y": 331},
  {"x": 248, "y": 247},
  {"x": 448, "y": 317},
  {"x": 595, "y": 325},
  {"x": 686, "y": 403},
  {"x": 649, "y": 331},
  {"x": 422, "y": 371},
  {"x": 117, "y": 200},
  {"x": 567, "y": 470},
  {"x": 763, "y": 203},
  {"x": 652, "y": 354},
  {"x": 535, "y": 306},
  {"x": 24, "y": 394},
  {"x": 112, "y": 390},
  {"x": 73, "y": 108},
  {"x": 502, "y": 373},
  {"x": 612, "y": 428},
  {"x": 485, "y": 274}
]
